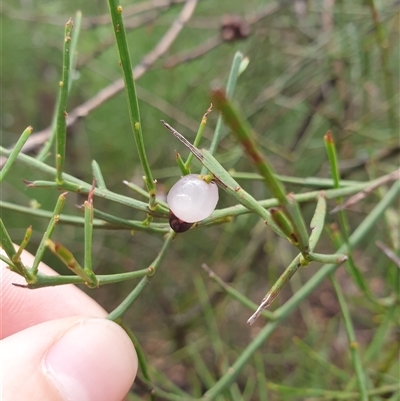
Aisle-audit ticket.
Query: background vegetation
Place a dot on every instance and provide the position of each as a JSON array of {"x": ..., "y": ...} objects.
[{"x": 314, "y": 66}]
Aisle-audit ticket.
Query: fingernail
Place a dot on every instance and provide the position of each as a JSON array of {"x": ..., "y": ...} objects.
[{"x": 92, "y": 361}]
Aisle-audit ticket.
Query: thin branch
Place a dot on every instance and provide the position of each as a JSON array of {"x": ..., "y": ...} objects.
[
  {"x": 395, "y": 175},
  {"x": 217, "y": 40},
  {"x": 117, "y": 86},
  {"x": 389, "y": 253},
  {"x": 87, "y": 22}
]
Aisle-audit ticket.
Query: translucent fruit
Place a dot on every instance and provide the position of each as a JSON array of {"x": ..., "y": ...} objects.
[{"x": 191, "y": 199}]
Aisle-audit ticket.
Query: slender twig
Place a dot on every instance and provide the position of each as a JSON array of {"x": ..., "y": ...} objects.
[
  {"x": 61, "y": 126},
  {"x": 384, "y": 51},
  {"x": 98, "y": 175},
  {"x": 223, "y": 178},
  {"x": 43, "y": 280},
  {"x": 197, "y": 139},
  {"x": 353, "y": 344},
  {"x": 49, "y": 231},
  {"x": 276, "y": 288},
  {"x": 365, "y": 192},
  {"x": 235, "y": 294},
  {"x": 44, "y": 152},
  {"x": 114, "y": 88},
  {"x": 133, "y": 105},
  {"x": 119, "y": 312},
  {"x": 14, "y": 262},
  {"x": 91, "y": 21},
  {"x": 322, "y": 360},
  {"x": 230, "y": 88},
  {"x": 218, "y": 215},
  {"x": 106, "y": 221},
  {"x": 88, "y": 236},
  {"x": 14, "y": 153},
  {"x": 353, "y": 270},
  {"x": 304, "y": 182},
  {"x": 389, "y": 253},
  {"x": 285, "y": 310},
  {"x": 327, "y": 395},
  {"x": 214, "y": 41},
  {"x": 317, "y": 224},
  {"x": 66, "y": 256},
  {"x": 246, "y": 137}
]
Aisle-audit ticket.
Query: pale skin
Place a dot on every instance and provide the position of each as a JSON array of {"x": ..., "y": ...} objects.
[{"x": 57, "y": 346}]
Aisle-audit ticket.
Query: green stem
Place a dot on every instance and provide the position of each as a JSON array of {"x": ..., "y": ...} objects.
[
  {"x": 286, "y": 309},
  {"x": 384, "y": 51},
  {"x": 238, "y": 210},
  {"x": 246, "y": 138},
  {"x": 261, "y": 377},
  {"x": 24, "y": 243},
  {"x": 351, "y": 267},
  {"x": 44, "y": 152},
  {"x": 309, "y": 393},
  {"x": 181, "y": 164},
  {"x": 10, "y": 265},
  {"x": 322, "y": 258},
  {"x": 276, "y": 288},
  {"x": 225, "y": 181},
  {"x": 72, "y": 184},
  {"x": 332, "y": 157},
  {"x": 120, "y": 311},
  {"x": 304, "y": 182},
  {"x": 61, "y": 132},
  {"x": 16, "y": 264},
  {"x": 228, "y": 378},
  {"x": 66, "y": 256},
  {"x": 88, "y": 232},
  {"x": 98, "y": 175},
  {"x": 47, "y": 235},
  {"x": 235, "y": 294},
  {"x": 165, "y": 395},
  {"x": 322, "y": 360},
  {"x": 359, "y": 233},
  {"x": 284, "y": 224},
  {"x": 139, "y": 352},
  {"x": 43, "y": 280},
  {"x": 186, "y": 167},
  {"x": 218, "y": 215},
  {"x": 318, "y": 220},
  {"x": 354, "y": 350},
  {"x": 230, "y": 88},
  {"x": 106, "y": 221},
  {"x": 133, "y": 105},
  {"x": 377, "y": 342},
  {"x": 210, "y": 322},
  {"x": 14, "y": 152},
  {"x": 159, "y": 228}
]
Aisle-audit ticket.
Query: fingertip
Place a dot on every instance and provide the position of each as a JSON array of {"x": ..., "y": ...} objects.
[
  {"x": 22, "y": 308},
  {"x": 74, "y": 358},
  {"x": 93, "y": 361}
]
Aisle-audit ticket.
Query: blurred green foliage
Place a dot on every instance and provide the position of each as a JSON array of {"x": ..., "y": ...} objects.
[{"x": 313, "y": 66}]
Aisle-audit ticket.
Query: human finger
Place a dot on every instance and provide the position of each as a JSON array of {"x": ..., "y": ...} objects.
[
  {"x": 74, "y": 358},
  {"x": 22, "y": 307}
]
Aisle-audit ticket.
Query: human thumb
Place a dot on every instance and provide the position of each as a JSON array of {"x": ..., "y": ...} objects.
[{"x": 69, "y": 359}]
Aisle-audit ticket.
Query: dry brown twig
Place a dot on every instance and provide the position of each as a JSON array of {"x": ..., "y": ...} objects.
[
  {"x": 36, "y": 140},
  {"x": 389, "y": 253},
  {"x": 88, "y": 22},
  {"x": 232, "y": 28},
  {"x": 131, "y": 24},
  {"x": 395, "y": 175}
]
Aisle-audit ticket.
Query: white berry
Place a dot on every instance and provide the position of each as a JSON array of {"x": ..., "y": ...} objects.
[{"x": 191, "y": 199}]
